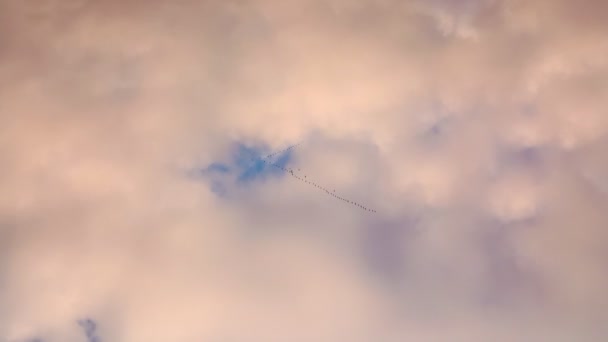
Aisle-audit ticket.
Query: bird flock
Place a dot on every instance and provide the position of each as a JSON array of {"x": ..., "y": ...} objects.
[
  {"x": 282, "y": 151},
  {"x": 266, "y": 160}
]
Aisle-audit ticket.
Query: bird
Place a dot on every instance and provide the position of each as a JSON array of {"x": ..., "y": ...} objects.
[{"x": 305, "y": 179}]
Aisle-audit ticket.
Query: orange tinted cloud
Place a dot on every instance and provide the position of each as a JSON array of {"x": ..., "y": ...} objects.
[{"x": 460, "y": 122}]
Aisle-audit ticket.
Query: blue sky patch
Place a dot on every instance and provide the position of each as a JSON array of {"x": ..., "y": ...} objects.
[
  {"x": 251, "y": 164},
  {"x": 245, "y": 165}
]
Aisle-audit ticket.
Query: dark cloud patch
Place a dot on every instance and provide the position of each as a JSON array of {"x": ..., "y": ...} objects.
[
  {"x": 218, "y": 168},
  {"x": 89, "y": 328},
  {"x": 384, "y": 247},
  {"x": 509, "y": 282},
  {"x": 531, "y": 157}
]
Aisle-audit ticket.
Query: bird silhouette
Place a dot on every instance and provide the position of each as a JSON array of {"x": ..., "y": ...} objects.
[{"x": 291, "y": 172}]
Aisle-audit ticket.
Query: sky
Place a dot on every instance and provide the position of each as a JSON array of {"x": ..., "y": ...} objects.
[{"x": 138, "y": 203}]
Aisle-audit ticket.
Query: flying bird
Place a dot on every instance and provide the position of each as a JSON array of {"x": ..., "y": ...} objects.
[{"x": 290, "y": 172}]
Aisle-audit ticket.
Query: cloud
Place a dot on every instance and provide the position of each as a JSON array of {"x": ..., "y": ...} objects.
[{"x": 474, "y": 128}]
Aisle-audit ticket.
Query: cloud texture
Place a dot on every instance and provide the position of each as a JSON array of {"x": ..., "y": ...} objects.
[{"x": 477, "y": 129}]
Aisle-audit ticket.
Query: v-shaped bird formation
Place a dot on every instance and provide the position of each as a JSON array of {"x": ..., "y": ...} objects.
[{"x": 305, "y": 179}]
